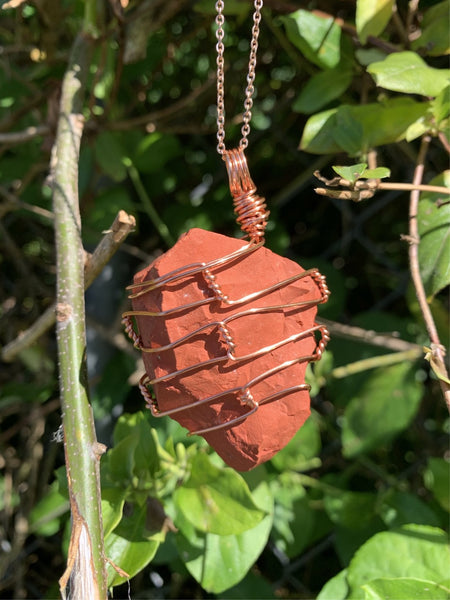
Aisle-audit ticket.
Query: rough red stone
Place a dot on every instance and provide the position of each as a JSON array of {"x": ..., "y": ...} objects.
[{"x": 257, "y": 438}]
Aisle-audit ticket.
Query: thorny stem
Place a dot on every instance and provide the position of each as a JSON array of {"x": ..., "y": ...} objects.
[
  {"x": 87, "y": 572},
  {"x": 437, "y": 349}
]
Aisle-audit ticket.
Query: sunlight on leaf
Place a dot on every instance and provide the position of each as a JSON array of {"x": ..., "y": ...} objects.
[
  {"x": 372, "y": 16},
  {"x": 434, "y": 231},
  {"x": 407, "y": 72}
]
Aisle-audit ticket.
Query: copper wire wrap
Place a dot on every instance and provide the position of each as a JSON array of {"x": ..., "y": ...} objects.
[
  {"x": 251, "y": 210},
  {"x": 243, "y": 393},
  {"x": 252, "y": 216}
]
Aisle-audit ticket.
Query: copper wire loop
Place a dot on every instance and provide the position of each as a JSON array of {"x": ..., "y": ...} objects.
[
  {"x": 251, "y": 210},
  {"x": 243, "y": 393}
]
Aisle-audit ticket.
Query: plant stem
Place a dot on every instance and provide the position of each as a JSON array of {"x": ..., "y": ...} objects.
[
  {"x": 421, "y": 187},
  {"x": 86, "y": 562},
  {"x": 147, "y": 204},
  {"x": 107, "y": 246},
  {"x": 437, "y": 349},
  {"x": 384, "y": 360},
  {"x": 368, "y": 336}
]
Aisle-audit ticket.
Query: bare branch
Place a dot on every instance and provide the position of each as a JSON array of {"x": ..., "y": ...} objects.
[
  {"x": 17, "y": 137},
  {"x": 122, "y": 226},
  {"x": 369, "y": 337},
  {"x": 437, "y": 349}
]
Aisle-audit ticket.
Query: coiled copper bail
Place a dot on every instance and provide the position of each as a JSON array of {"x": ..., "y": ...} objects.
[{"x": 251, "y": 210}]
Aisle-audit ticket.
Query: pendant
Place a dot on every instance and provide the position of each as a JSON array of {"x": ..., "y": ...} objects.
[{"x": 226, "y": 329}]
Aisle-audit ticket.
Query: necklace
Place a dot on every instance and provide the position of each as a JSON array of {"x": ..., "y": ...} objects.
[
  {"x": 226, "y": 327},
  {"x": 249, "y": 90}
]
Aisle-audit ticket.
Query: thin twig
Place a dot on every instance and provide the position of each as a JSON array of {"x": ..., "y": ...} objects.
[
  {"x": 421, "y": 187},
  {"x": 366, "y": 188},
  {"x": 27, "y": 277},
  {"x": 369, "y": 337},
  {"x": 148, "y": 205},
  {"x": 18, "y": 137},
  {"x": 122, "y": 226},
  {"x": 13, "y": 202},
  {"x": 437, "y": 350},
  {"x": 374, "y": 362},
  {"x": 164, "y": 113}
]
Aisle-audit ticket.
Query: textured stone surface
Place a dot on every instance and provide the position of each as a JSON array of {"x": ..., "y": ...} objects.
[{"x": 257, "y": 438}]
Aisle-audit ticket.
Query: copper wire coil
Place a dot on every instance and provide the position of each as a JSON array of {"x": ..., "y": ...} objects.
[{"x": 251, "y": 210}]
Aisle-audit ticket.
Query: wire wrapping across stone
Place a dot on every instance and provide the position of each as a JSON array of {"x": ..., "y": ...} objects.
[{"x": 226, "y": 340}]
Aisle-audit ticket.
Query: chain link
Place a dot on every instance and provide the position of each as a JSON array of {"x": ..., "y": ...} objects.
[{"x": 249, "y": 90}]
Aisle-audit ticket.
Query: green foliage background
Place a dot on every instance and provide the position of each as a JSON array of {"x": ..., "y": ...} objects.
[{"x": 357, "y": 505}]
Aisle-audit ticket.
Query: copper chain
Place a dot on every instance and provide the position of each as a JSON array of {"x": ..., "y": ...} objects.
[{"x": 250, "y": 89}]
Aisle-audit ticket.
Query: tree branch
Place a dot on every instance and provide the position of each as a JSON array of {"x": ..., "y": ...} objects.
[
  {"x": 18, "y": 137},
  {"x": 364, "y": 189},
  {"x": 369, "y": 337},
  {"x": 86, "y": 562},
  {"x": 437, "y": 350},
  {"x": 109, "y": 244}
]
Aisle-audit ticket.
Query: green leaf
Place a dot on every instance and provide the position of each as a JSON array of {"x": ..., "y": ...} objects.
[
  {"x": 252, "y": 587},
  {"x": 45, "y": 516},
  {"x": 126, "y": 425},
  {"x": 109, "y": 155},
  {"x": 318, "y": 133},
  {"x": 349, "y": 132},
  {"x": 440, "y": 106},
  {"x": 365, "y": 56},
  {"x": 408, "y": 73},
  {"x": 294, "y": 519},
  {"x": 232, "y": 7},
  {"x": 112, "y": 505},
  {"x": 351, "y": 173},
  {"x": 130, "y": 545},
  {"x": 336, "y": 588},
  {"x": 104, "y": 210},
  {"x": 378, "y": 173},
  {"x": 353, "y": 510},
  {"x": 415, "y": 551},
  {"x": 155, "y": 151},
  {"x": 355, "y": 517},
  {"x": 219, "y": 562},
  {"x": 435, "y": 26},
  {"x": 317, "y": 37},
  {"x": 300, "y": 452},
  {"x": 382, "y": 408},
  {"x": 357, "y": 129},
  {"x": 437, "y": 480},
  {"x": 121, "y": 460},
  {"x": 434, "y": 231},
  {"x": 135, "y": 457},
  {"x": 217, "y": 500},
  {"x": 401, "y": 508},
  {"x": 404, "y": 588},
  {"x": 322, "y": 88},
  {"x": 372, "y": 16},
  {"x": 354, "y": 172}
]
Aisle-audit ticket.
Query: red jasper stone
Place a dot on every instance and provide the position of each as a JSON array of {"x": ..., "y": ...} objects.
[{"x": 257, "y": 438}]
